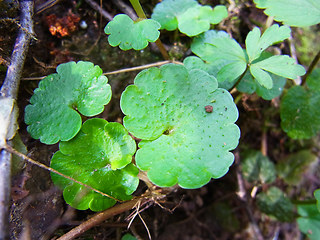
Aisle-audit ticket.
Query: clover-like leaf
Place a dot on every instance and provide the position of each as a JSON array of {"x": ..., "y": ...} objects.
[
  {"x": 100, "y": 156},
  {"x": 186, "y": 124},
  {"x": 52, "y": 114},
  {"x": 256, "y": 44},
  {"x": 128, "y": 34},
  {"x": 257, "y": 168},
  {"x": 217, "y": 46},
  {"x": 300, "y": 109},
  {"x": 309, "y": 220},
  {"x": 275, "y": 203},
  {"x": 298, "y": 13},
  {"x": 188, "y": 16}
]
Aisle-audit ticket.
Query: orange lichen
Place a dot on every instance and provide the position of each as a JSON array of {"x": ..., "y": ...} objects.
[{"x": 62, "y": 27}]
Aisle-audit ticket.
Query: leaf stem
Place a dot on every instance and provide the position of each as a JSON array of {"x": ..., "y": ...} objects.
[
  {"x": 30, "y": 160},
  {"x": 240, "y": 78},
  {"x": 137, "y": 7},
  {"x": 311, "y": 67}
]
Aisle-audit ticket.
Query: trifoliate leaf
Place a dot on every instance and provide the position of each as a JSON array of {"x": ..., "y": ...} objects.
[
  {"x": 262, "y": 77},
  {"x": 99, "y": 156},
  {"x": 52, "y": 115},
  {"x": 275, "y": 91},
  {"x": 188, "y": 16},
  {"x": 275, "y": 203},
  {"x": 167, "y": 11},
  {"x": 298, "y": 13},
  {"x": 292, "y": 168},
  {"x": 300, "y": 109},
  {"x": 128, "y": 34},
  {"x": 281, "y": 65},
  {"x": 257, "y": 168},
  {"x": 197, "y": 20},
  {"x": 256, "y": 44},
  {"x": 309, "y": 220},
  {"x": 186, "y": 124},
  {"x": 317, "y": 196}
]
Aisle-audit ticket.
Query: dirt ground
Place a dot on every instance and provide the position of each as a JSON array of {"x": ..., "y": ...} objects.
[{"x": 215, "y": 211}]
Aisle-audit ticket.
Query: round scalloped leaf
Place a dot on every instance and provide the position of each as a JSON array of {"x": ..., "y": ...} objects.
[
  {"x": 167, "y": 11},
  {"x": 298, "y": 13},
  {"x": 186, "y": 123},
  {"x": 197, "y": 20},
  {"x": 100, "y": 156},
  {"x": 52, "y": 114},
  {"x": 300, "y": 109},
  {"x": 128, "y": 34}
]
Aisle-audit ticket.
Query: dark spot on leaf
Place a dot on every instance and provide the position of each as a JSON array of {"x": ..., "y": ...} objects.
[
  {"x": 208, "y": 108},
  {"x": 225, "y": 108}
]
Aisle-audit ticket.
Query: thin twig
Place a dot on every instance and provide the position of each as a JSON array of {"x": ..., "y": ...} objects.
[
  {"x": 9, "y": 91},
  {"x": 157, "y": 64},
  {"x": 103, "y": 12},
  {"x": 30, "y": 160},
  {"x": 242, "y": 194},
  {"x": 310, "y": 69},
  {"x": 294, "y": 56},
  {"x": 100, "y": 217},
  {"x": 125, "y": 8}
]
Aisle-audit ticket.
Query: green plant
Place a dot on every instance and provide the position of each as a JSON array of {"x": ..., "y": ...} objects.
[{"x": 181, "y": 114}]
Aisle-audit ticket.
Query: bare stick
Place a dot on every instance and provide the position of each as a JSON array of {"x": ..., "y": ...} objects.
[
  {"x": 103, "y": 12},
  {"x": 311, "y": 67},
  {"x": 100, "y": 217},
  {"x": 157, "y": 64},
  {"x": 9, "y": 90},
  {"x": 125, "y": 8},
  {"x": 242, "y": 194},
  {"x": 30, "y": 160}
]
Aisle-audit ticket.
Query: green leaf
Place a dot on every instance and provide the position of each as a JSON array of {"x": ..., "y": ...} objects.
[
  {"x": 52, "y": 114},
  {"x": 128, "y": 236},
  {"x": 292, "y": 168},
  {"x": 309, "y": 220},
  {"x": 257, "y": 168},
  {"x": 317, "y": 196},
  {"x": 128, "y": 34},
  {"x": 300, "y": 109},
  {"x": 275, "y": 91},
  {"x": 100, "y": 157},
  {"x": 197, "y": 20},
  {"x": 276, "y": 204},
  {"x": 256, "y": 44},
  {"x": 167, "y": 11},
  {"x": 202, "y": 44},
  {"x": 281, "y": 65},
  {"x": 261, "y": 76},
  {"x": 188, "y": 16},
  {"x": 186, "y": 124},
  {"x": 298, "y": 13},
  {"x": 231, "y": 71}
]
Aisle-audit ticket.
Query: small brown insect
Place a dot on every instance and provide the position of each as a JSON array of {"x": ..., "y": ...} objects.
[{"x": 208, "y": 108}]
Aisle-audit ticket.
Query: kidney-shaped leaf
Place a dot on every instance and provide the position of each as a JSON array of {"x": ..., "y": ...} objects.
[
  {"x": 100, "y": 156},
  {"x": 186, "y": 123},
  {"x": 188, "y": 16},
  {"x": 299, "y": 13},
  {"x": 52, "y": 114},
  {"x": 128, "y": 34}
]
